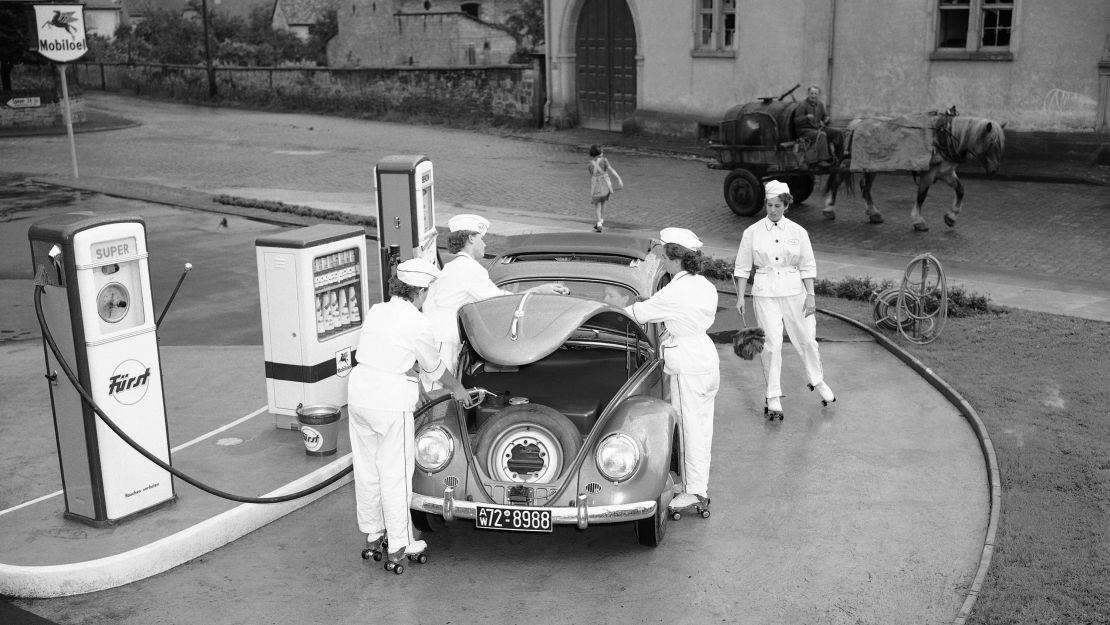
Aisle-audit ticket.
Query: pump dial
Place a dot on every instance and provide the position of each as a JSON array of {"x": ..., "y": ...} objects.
[{"x": 112, "y": 302}]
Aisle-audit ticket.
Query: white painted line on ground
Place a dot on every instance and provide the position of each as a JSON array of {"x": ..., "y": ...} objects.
[{"x": 174, "y": 450}]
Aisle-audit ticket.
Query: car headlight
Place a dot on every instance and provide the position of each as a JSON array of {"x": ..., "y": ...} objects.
[
  {"x": 617, "y": 457},
  {"x": 434, "y": 448}
]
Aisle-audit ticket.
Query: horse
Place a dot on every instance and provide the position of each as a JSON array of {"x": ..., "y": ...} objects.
[{"x": 956, "y": 140}]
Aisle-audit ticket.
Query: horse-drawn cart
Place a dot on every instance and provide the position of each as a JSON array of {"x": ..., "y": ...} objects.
[{"x": 758, "y": 141}]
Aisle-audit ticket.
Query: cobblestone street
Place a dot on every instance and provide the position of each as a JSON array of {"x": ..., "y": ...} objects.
[{"x": 1038, "y": 228}]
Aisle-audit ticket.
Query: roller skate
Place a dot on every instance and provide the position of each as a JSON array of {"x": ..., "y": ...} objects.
[
  {"x": 414, "y": 552},
  {"x": 826, "y": 393},
  {"x": 686, "y": 503},
  {"x": 772, "y": 409},
  {"x": 376, "y": 548}
]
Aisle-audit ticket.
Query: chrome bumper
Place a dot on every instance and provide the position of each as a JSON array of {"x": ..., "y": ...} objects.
[{"x": 581, "y": 514}]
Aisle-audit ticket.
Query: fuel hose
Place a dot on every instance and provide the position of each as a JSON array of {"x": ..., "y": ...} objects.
[{"x": 88, "y": 399}]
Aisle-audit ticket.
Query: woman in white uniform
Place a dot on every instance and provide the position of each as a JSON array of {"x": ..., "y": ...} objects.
[
  {"x": 464, "y": 280},
  {"x": 396, "y": 343},
  {"x": 779, "y": 252},
  {"x": 687, "y": 306}
]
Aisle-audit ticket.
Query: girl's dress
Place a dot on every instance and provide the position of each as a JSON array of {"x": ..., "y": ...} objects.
[{"x": 601, "y": 187}]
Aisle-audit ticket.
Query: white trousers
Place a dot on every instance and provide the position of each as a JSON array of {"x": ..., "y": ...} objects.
[
  {"x": 775, "y": 313},
  {"x": 693, "y": 397},
  {"x": 384, "y": 456}
]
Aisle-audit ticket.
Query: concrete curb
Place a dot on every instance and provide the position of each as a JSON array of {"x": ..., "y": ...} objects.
[{"x": 985, "y": 445}]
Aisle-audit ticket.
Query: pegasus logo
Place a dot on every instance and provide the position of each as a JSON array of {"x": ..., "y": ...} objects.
[{"x": 65, "y": 21}]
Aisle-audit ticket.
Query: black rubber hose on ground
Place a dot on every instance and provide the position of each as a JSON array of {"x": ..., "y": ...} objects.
[{"x": 87, "y": 397}]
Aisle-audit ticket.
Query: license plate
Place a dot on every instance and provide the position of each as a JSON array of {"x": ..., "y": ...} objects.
[{"x": 513, "y": 518}]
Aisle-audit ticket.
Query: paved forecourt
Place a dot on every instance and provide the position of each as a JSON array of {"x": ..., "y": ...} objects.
[{"x": 873, "y": 508}]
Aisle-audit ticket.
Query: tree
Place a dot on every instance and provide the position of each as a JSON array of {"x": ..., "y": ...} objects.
[
  {"x": 525, "y": 24},
  {"x": 320, "y": 33},
  {"x": 15, "y": 38}
]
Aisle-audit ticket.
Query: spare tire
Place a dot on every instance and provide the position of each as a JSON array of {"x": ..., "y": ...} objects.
[{"x": 527, "y": 443}]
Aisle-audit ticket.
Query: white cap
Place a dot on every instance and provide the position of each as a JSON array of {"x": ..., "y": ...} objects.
[
  {"x": 473, "y": 223},
  {"x": 774, "y": 188},
  {"x": 417, "y": 272},
  {"x": 680, "y": 236}
]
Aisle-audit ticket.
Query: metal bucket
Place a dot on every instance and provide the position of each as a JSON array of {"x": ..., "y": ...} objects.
[{"x": 319, "y": 429}]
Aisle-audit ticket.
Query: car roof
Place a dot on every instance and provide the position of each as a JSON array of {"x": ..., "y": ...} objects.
[
  {"x": 578, "y": 243},
  {"x": 619, "y": 259}
]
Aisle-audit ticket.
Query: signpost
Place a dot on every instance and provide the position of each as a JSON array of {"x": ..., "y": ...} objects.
[
  {"x": 60, "y": 37},
  {"x": 24, "y": 103}
]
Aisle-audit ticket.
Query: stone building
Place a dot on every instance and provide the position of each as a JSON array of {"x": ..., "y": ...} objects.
[
  {"x": 296, "y": 16},
  {"x": 421, "y": 33},
  {"x": 678, "y": 65}
]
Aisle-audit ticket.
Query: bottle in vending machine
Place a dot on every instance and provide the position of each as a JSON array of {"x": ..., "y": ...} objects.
[
  {"x": 352, "y": 303},
  {"x": 344, "y": 311},
  {"x": 334, "y": 307},
  {"x": 319, "y": 316}
]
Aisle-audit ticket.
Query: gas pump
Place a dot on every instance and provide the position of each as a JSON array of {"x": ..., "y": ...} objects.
[
  {"x": 312, "y": 285},
  {"x": 406, "y": 213},
  {"x": 96, "y": 299}
]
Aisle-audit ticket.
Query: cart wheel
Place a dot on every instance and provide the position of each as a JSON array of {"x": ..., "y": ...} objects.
[
  {"x": 400, "y": 568},
  {"x": 377, "y": 556},
  {"x": 801, "y": 186},
  {"x": 705, "y": 514},
  {"x": 366, "y": 554},
  {"x": 743, "y": 192},
  {"x": 676, "y": 516}
]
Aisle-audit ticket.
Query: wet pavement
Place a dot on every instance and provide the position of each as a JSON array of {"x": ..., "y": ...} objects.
[{"x": 869, "y": 511}]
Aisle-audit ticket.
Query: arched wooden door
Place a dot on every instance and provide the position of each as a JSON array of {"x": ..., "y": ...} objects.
[{"x": 605, "y": 49}]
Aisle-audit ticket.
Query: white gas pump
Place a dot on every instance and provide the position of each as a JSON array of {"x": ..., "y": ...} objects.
[
  {"x": 312, "y": 286},
  {"x": 406, "y": 213},
  {"x": 97, "y": 302}
]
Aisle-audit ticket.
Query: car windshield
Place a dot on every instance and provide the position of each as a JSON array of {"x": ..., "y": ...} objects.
[{"x": 607, "y": 292}]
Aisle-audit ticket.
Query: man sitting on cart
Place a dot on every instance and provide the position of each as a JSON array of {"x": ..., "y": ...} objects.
[{"x": 811, "y": 119}]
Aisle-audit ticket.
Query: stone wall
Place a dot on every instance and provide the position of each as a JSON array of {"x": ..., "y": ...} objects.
[
  {"x": 419, "y": 39},
  {"x": 499, "y": 94},
  {"x": 16, "y": 110}
]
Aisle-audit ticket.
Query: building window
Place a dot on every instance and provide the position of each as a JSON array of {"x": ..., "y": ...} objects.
[
  {"x": 975, "y": 25},
  {"x": 715, "y": 24}
]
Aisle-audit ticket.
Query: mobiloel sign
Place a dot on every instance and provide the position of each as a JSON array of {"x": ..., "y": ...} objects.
[{"x": 60, "y": 32}]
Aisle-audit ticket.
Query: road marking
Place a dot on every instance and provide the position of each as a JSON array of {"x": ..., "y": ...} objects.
[
  {"x": 301, "y": 152},
  {"x": 174, "y": 450}
]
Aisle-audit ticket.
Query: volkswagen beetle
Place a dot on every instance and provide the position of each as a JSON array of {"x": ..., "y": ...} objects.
[{"x": 573, "y": 426}]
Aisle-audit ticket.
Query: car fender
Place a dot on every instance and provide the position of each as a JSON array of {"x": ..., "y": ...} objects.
[{"x": 651, "y": 423}]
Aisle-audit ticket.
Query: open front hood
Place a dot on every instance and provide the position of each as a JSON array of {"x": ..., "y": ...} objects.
[{"x": 520, "y": 329}]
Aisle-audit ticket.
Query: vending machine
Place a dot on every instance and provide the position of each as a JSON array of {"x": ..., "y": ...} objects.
[
  {"x": 97, "y": 305},
  {"x": 406, "y": 213},
  {"x": 312, "y": 286}
]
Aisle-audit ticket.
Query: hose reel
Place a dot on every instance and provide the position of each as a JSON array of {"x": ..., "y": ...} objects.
[{"x": 918, "y": 307}]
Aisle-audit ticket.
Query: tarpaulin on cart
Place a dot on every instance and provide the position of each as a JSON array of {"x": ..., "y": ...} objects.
[{"x": 892, "y": 143}]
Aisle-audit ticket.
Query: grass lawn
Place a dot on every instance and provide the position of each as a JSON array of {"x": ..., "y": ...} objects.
[{"x": 1041, "y": 385}]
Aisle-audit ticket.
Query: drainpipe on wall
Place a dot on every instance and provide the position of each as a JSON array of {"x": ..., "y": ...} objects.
[
  {"x": 549, "y": 64},
  {"x": 829, "y": 54}
]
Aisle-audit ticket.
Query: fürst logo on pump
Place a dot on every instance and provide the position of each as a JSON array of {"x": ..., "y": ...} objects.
[
  {"x": 60, "y": 32},
  {"x": 129, "y": 382}
]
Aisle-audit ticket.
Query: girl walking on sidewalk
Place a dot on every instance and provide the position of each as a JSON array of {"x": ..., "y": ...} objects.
[{"x": 601, "y": 186}]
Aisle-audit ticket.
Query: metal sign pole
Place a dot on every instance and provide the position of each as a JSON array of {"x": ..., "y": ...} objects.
[{"x": 69, "y": 118}]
